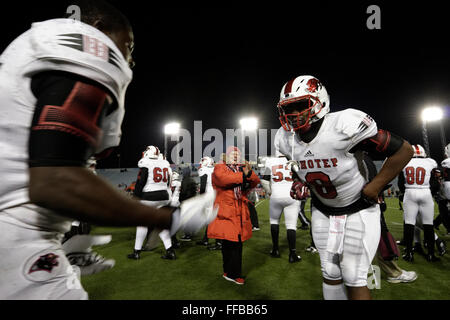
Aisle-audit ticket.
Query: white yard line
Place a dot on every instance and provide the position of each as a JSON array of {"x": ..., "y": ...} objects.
[{"x": 256, "y": 206}]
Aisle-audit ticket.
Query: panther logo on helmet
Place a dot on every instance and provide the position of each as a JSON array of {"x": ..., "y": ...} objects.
[
  {"x": 313, "y": 85},
  {"x": 303, "y": 101}
]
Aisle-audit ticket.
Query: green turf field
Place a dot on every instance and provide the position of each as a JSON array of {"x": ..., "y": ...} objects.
[{"x": 197, "y": 272}]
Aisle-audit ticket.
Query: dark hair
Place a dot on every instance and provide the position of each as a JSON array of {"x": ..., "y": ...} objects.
[{"x": 99, "y": 10}]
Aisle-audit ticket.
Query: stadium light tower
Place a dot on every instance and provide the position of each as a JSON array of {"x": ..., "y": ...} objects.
[
  {"x": 249, "y": 124},
  {"x": 170, "y": 129},
  {"x": 432, "y": 114}
]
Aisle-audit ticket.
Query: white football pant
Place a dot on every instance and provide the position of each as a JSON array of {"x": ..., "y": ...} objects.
[
  {"x": 361, "y": 238},
  {"x": 33, "y": 265},
  {"x": 290, "y": 207},
  {"x": 141, "y": 232},
  {"x": 418, "y": 201}
]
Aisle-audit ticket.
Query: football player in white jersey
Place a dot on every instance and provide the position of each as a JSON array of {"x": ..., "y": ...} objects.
[
  {"x": 418, "y": 204},
  {"x": 446, "y": 165},
  {"x": 151, "y": 189},
  {"x": 279, "y": 176},
  {"x": 205, "y": 172},
  {"x": 444, "y": 214},
  {"x": 62, "y": 92},
  {"x": 175, "y": 187},
  {"x": 325, "y": 148}
]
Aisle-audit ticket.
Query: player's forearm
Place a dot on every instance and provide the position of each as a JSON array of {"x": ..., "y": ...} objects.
[
  {"x": 77, "y": 193},
  {"x": 393, "y": 166}
]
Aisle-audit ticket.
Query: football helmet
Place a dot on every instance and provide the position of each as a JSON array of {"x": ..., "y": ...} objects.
[
  {"x": 419, "y": 151},
  {"x": 307, "y": 96},
  {"x": 175, "y": 176},
  {"x": 91, "y": 162},
  {"x": 447, "y": 151},
  {"x": 152, "y": 152},
  {"x": 206, "y": 162}
]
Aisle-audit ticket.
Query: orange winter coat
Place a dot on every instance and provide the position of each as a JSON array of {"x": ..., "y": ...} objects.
[{"x": 233, "y": 218}]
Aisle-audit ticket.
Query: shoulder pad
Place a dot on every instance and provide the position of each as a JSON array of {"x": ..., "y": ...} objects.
[
  {"x": 280, "y": 142},
  {"x": 446, "y": 163},
  {"x": 355, "y": 124},
  {"x": 73, "y": 46}
]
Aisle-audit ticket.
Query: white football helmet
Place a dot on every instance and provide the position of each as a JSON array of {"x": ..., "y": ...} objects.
[
  {"x": 308, "y": 96},
  {"x": 91, "y": 162},
  {"x": 152, "y": 152},
  {"x": 207, "y": 162},
  {"x": 175, "y": 176},
  {"x": 419, "y": 151},
  {"x": 447, "y": 151}
]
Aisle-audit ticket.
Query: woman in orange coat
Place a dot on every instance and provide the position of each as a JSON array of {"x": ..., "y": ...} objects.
[{"x": 232, "y": 182}]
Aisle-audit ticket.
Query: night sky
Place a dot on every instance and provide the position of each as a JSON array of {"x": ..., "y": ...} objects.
[{"x": 219, "y": 63}]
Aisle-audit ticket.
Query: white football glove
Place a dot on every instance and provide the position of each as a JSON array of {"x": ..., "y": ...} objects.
[
  {"x": 78, "y": 250},
  {"x": 293, "y": 166},
  {"x": 194, "y": 214}
]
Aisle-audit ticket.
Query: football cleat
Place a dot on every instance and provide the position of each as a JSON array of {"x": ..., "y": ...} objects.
[
  {"x": 79, "y": 252},
  {"x": 275, "y": 253},
  {"x": 90, "y": 263},
  {"x": 442, "y": 248},
  {"x": 405, "y": 276},
  {"x": 312, "y": 249},
  {"x": 170, "y": 254},
  {"x": 293, "y": 257},
  {"x": 135, "y": 255},
  {"x": 186, "y": 237},
  {"x": 202, "y": 242},
  {"x": 408, "y": 256},
  {"x": 217, "y": 246}
]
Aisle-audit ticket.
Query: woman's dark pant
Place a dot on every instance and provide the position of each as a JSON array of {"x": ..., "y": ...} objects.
[{"x": 232, "y": 258}]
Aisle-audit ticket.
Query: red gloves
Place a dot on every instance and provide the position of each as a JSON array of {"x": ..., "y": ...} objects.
[{"x": 299, "y": 191}]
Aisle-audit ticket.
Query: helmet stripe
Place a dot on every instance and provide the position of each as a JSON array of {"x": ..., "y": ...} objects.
[
  {"x": 417, "y": 149},
  {"x": 288, "y": 87}
]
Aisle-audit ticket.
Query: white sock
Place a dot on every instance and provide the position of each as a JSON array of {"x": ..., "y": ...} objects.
[
  {"x": 165, "y": 237},
  {"x": 141, "y": 233},
  {"x": 334, "y": 292}
]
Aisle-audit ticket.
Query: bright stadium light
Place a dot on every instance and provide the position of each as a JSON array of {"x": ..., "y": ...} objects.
[
  {"x": 172, "y": 128},
  {"x": 432, "y": 114},
  {"x": 249, "y": 124}
]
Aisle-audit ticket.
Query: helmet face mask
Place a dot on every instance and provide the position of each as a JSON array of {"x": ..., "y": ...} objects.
[
  {"x": 303, "y": 101},
  {"x": 297, "y": 114}
]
